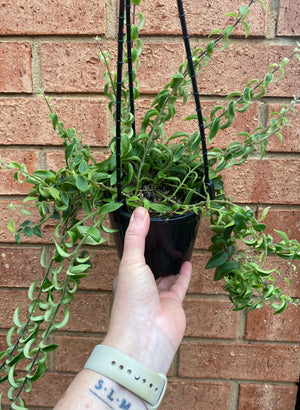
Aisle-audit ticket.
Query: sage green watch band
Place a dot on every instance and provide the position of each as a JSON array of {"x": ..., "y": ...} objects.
[{"x": 134, "y": 376}]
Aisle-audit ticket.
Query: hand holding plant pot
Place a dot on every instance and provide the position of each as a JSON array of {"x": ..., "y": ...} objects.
[{"x": 147, "y": 323}]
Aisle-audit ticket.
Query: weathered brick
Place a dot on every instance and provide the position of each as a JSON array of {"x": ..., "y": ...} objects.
[
  {"x": 60, "y": 17},
  {"x": 262, "y": 324},
  {"x": 218, "y": 78},
  {"x": 272, "y": 180},
  {"x": 74, "y": 67},
  {"x": 8, "y": 185},
  {"x": 192, "y": 395},
  {"x": 15, "y": 68},
  {"x": 210, "y": 319},
  {"x": 67, "y": 345},
  {"x": 25, "y": 121},
  {"x": 267, "y": 396},
  {"x": 238, "y": 361},
  {"x": 202, "y": 17},
  {"x": 16, "y": 273},
  {"x": 288, "y": 18}
]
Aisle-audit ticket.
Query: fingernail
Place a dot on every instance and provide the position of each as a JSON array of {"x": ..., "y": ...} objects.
[{"x": 138, "y": 214}]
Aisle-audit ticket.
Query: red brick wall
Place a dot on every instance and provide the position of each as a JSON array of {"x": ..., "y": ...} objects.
[{"x": 228, "y": 360}]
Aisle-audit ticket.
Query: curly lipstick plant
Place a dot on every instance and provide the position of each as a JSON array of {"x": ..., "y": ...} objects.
[{"x": 164, "y": 174}]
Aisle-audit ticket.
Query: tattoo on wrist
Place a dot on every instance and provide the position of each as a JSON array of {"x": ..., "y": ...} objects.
[{"x": 109, "y": 397}]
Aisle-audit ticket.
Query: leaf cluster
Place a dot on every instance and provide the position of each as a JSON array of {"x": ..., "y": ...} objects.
[{"x": 240, "y": 248}]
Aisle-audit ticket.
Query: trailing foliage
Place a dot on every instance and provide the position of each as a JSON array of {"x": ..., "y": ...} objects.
[{"x": 163, "y": 174}]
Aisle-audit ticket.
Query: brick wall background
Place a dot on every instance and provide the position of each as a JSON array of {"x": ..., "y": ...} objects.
[{"x": 228, "y": 360}]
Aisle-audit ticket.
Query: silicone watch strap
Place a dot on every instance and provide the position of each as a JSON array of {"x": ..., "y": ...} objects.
[{"x": 134, "y": 376}]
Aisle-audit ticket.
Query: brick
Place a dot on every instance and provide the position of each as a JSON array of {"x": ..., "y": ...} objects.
[
  {"x": 247, "y": 121},
  {"x": 285, "y": 269},
  {"x": 60, "y": 17},
  {"x": 26, "y": 122},
  {"x": 88, "y": 312},
  {"x": 71, "y": 67},
  {"x": 6, "y": 214},
  {"x": 8, "y": 185},
  {"x": 40, "y": 393},
  {"x": 9, "y": 300},
  {"x": 288, "y": 18},
  {"x": 16, "y": 273},
  {"x": 39, "y": 396},
  {"x": 202, "y": 279},
  {"x": 191, "y": 395},
  {"x": 238, "y": 361},
  {"x": 202, "y": 17},
  {"x": 273, "y": 181},
  {"x": 262, "y": 324},
  {"x": 210, "y": 319},
  {"x": 291, "y": 134},
  {"x": 248, "y": 62},
  {"x": 105, "y": 264},
  {"x": 15, "y": 68},
  {"x": 158, "y": 63},
  {"x": 286, "y": 220},
  {"x": 56, "y": 159},
  {"x": 105, "y": 268},
  {"x": 267, "y": 396},
  {"x": 203, "y": 238},
  {"x": 74, "y": 67},
  {"x": 67, "y": 345}
]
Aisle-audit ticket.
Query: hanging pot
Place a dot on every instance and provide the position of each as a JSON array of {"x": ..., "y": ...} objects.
[{"x": 169, "y": 243}]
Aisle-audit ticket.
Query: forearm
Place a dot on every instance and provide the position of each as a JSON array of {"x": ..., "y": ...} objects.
[{"x": 96, "y": 392}]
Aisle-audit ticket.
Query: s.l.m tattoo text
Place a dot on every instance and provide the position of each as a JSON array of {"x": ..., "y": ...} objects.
[{"x": 109, "y": 397}]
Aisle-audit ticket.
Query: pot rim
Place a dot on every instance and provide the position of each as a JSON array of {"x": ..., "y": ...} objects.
[{"x": 172, "y": 219}]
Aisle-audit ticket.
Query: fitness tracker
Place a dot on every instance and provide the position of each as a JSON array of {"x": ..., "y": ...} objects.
[{"x": 134, "y": 376}]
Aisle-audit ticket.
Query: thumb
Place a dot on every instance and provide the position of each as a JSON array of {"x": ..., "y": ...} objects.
[{"x": 134, "y": 244}]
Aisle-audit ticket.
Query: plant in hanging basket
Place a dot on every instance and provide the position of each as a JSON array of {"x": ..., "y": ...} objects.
[{"x": 175, "y": 177}]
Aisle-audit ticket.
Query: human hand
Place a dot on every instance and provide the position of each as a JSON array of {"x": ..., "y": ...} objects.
[{"x": 147, "y": 320}]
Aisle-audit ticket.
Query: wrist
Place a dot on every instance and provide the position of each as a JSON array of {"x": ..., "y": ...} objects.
[{"x": 146, "y": 348}]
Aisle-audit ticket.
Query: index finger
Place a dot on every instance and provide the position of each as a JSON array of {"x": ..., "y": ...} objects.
[{"x": 134, "y": 244}]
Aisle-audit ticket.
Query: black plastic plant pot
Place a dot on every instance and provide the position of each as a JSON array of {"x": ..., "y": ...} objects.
[{"x": 169, "y": 243}]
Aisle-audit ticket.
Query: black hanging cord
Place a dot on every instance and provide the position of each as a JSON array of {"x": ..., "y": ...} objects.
[
  {"x": 129, "y": 58},
  {"x": 119, "y": 99},
  {"x": 208, "y": 182}
]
